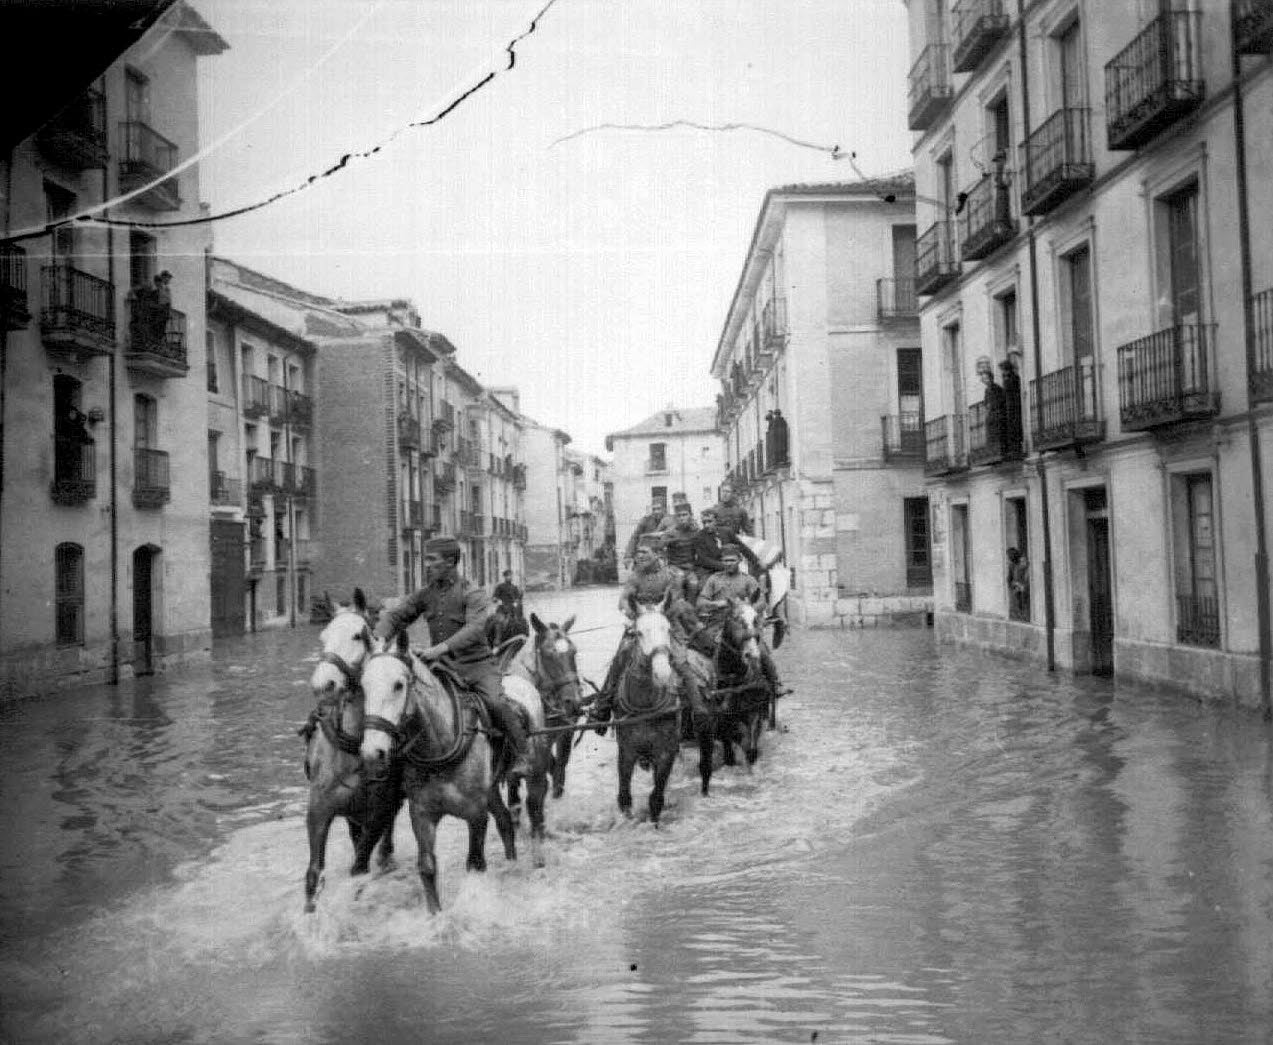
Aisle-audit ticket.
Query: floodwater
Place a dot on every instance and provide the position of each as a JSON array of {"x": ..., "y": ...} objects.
[{"x": 935, "y": 846}]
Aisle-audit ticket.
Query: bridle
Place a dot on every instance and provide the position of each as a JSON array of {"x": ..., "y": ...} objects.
[
  {"x": 553, "y": 687},
  {"x": 401, "y": 744},
  {"x": 351, "y": 675}
]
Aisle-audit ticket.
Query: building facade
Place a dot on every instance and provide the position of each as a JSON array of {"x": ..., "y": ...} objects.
[
  {"x": 103, "y": 523},
  {"x": 820, "y": 368},
  {"x": 673, "y": 451},
  {"x": 550, "y": 556},
  {"x": 1100, "y": 497}
]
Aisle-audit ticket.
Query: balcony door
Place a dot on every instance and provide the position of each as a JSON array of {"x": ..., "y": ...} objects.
[
  {"x": 1069, "y": 53},
  {"x": 953, "y": 362},
  {"x": 136, "y": 97},
  {"x": 1182, "y": 256},
  {"x": 59, "y": 204}
]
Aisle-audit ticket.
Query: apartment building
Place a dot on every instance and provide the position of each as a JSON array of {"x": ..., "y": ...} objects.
[
  {"x": 1096, "y": 324},
  {"x": 492, "y": 526},
  {"x": 589, "y": 517},
  {"x": 820, "y": 367},
  {"x": 104, "y": 519},
  {"x": 550, "y": 556},
  {"x": 677, "y": 450}
]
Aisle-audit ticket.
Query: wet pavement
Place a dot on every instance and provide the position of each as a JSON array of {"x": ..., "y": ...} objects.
[{"x": 935, "y": 846}]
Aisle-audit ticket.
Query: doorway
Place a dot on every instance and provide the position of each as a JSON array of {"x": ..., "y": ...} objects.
[
  {"x": 145, "y": 574},
  {"x": 1100, "y": 594}
]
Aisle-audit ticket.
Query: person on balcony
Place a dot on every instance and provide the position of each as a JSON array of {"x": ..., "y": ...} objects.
[
  {"x": 1013, "y": 440},
  {"x": 995, "y": 404}
]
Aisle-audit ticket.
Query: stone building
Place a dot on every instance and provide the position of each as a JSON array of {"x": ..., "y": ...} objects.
[
  {"x": 820, "y": 367},
  {"x": 1085, "y": 180},
  {"x": 550, "y": 556},
  {"x": 104, "y": 516}
]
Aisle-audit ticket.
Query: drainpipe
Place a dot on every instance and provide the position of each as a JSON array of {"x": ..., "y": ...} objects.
[
  {"x": 1049, "y": 608},
  {"x": 4, "y": 356},
  {"x": 1248, "y": 322},
  {"x": 113, "y": 675}
]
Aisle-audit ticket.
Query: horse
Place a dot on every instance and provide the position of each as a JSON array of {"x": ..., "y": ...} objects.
[
  {"x": 741, "y": 700},
  {"x": 333, "y": 762},
  {"x": 646, "y": 697},
  {"x": 549, "y": 664},
  {"x": 450, "y": 765},
  {"x": 504, "y": 624}
]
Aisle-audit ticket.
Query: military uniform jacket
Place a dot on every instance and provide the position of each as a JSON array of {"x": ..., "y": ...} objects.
[
  {"x": 679, "y": 546},
  {"x": 731, "y": 520},
  {"x": 456, "y": 613},
  {"x": 730, "y": 586},
  {"x": 652, "y": 586}
]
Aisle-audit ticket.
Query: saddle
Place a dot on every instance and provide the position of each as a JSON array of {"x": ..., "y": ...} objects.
[{"x": 469, "y": 698}]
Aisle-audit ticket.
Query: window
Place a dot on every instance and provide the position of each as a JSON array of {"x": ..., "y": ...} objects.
[
  {"x": 658, "y": 457},
  {"x": 1007, "y": 333},
  {"x": 141, "y": 260},
  {"x": 1180, "y": 258},
  {"x": 999, "y": 130},
  {"x": 1077, "y": 329},
  {"x": 1069, "y": 58},
  {"x": 145, "y": 422},
  {"x": 919, "y": 570},
  {"x": 910, "y": 383},
  {"x": 946, "y": 184},
  {"x": 1197, "y": 597},
  {"x": 210, "y": 343},
  {"x": 960, "y": 566},
  {"x": 954, "y": 363},
  {"x": 59, "y": 204},
  {"x": 68, "y": 562},
  {"x": 136, "y": 97}
]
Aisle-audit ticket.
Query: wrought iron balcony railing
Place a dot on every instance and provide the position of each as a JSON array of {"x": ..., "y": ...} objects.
[
  {"x": 994, "y": 435},
  {"x": 945, "y": 445},
  {"x": 895, "y": 299},
  {"x": 74, "y": 470},
  {"x": 14, "y": 311},
  {"x": 1056, "y": 160},
  {"x": 151, "y": 482},
  {"x": 147, "y": 157},
  {"x": 1262, "y": 379},
  {"x": 408, "y": 431},
  {"x": 156, "y": 340},
  {"x": 1253, "y": 26},
  {"x": 1065, "y": 408},
  {"x": 986, "y": 222},
  {"x": 76, "y": 137},
  {"x": 935, "y": 261},
  {"x": 902, "y": 437},
  {"x": 1198, "y": 620},
  {"x": 1154, "y": 80},
  {"x": 1166, "y": 377},
  {"x": 979, "y": 25},
  {"x": 300, "y": 410},
  {"x": 78, "y": 313},
  {"x": 256, "y": 396},
  {"x": 929, "y": 88},
  {"x": 223, "y": 490}
]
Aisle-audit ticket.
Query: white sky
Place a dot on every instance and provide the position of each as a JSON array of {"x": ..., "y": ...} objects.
[{"x": 595, "y": 274}]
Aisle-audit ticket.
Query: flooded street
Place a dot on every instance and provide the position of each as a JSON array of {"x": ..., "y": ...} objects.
[{"x": 934, "y": 847}]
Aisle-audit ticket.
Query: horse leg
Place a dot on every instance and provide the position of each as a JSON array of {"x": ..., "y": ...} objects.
[
  {"x": 503, "y": 823},
  {"x": 627, "y": 763},
  {"x": 663, "y": 770},
  {"x": 317, "y": 823},
  {"x": 515, "y": 800},
  {"x": 753, "y": 737},
  {"x": 536, "y": 791},
  {"x": 561, "y": 757},
  {"x": 727, "y": 740},
  {"x": 425, "y": 828},
  {"x": 382, "y": 804},
  {"x": 704, "y": 727},
  {"x": 477, "y": 841}
]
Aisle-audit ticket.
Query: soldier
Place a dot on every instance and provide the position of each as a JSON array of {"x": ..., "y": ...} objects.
[
  {"x": 732, "y": 583},
  {"x": 648, "y": 523},
  {"x": 456, "y": 612},
  {"x": 679, "y": 545}
]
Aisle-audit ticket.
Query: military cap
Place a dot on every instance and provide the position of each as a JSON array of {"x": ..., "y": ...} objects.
[{"x": 442, "y": 546}]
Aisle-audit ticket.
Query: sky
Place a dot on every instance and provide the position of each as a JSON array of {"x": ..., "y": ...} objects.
[{"x": 593, "y": 273}]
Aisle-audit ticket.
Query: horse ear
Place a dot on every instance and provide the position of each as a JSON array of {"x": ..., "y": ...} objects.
[
  {"x": 537, "y": 624},
  {"x": 360, "y": 600},
  {"x": 570, "y": 623}
]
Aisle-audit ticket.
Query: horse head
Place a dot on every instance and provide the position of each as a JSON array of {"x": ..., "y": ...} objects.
[
  {"x": 555, "y": 669},
  {"x": 389, "y": 698},
  {"x": 346, "y": 642},
  {"x": 741, "y": 633},
  {"x": 654, "y": 637}
]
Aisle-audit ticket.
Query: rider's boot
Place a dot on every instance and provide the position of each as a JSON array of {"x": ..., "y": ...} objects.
[{"x": 515, "y": 737}]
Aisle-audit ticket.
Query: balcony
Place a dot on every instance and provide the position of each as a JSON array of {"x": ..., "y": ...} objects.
[
  {"x": 1262, "y": 379},
  {"x": 148, "y": 156},
  {"x": 773, "y": 326},
  {"x": 1198, "y": 620},
  {"x": 300, "y": 410},
  {"x": 1057, "y": 161},
  {"x": 963, "y": 596},
  {"x": 408, "y": 431},
  {"x": 445, "y": 420},
  {"x": 1166, "y": 378},
  {"x": 985, "y": 436},
  {"x": 929, "y": 91},
  {"x": 151, "y": 487},
  {"x": 156, "y": 340},
  {"x": 261, "y": 476},
  {"x": 935, "y": 263},
  {"x": 1253, "y": 26},
  {"x": 1154, "y": 80},
  {"x": 302, "y": 481},
  {"x": 895, "y": 299},
  {"x": 76, "y": 137},
  {"x": 413, "y": 515},
  {"x": 74, "y": 470},
  {"x": 1065, "y": 409},
  {"x": 979, "y": 25},
  {"x": 944, "y": 445},
  {"x": 519, "y": 477},
  {"x": 986, "y": 222},
  {"x": 78, "y": 314},
  {"x": 902, "y": 437},
  {"x": 224, "y": 492},
  {"x": 14, "y": 312},
  {"x": 444, "y": 480},
  {"x": 256, "y": 396}
]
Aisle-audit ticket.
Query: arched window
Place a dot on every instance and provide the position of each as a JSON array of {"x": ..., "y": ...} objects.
[{"x": 69, "y": 565}]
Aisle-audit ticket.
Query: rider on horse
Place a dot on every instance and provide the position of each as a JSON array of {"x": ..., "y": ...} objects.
[
  {"x": 731, "y": 520},
  {"x": 732, "y": 583},
  {"x": 509, "y": 595},
  {"x": 678, "y": 544},
  {"x": 456, "y": 612},
  {"x": 651, "y": 580}
]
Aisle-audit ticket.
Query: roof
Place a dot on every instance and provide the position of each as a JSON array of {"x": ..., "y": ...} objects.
[
  {"x": 684, "y": 420},
  {"x": 897, "y": 183},
  {"x": 278, "y": 305}
]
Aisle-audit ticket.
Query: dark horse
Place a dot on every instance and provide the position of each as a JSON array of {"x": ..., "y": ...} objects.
[
  {"x": 504, "y": 624},
  {"x": 645, "y": 706},
  {"x": 333, "y": 763},
  {"x": 450, "y": 764},
  {"x": 742, "y": 695},
  {"x": 549, "y": 664}
]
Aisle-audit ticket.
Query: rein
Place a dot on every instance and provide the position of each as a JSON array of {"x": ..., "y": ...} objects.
[{"x": 466, "y": 728}]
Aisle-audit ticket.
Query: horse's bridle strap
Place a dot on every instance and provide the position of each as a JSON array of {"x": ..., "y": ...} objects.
[{"x": 341, "y": 665}]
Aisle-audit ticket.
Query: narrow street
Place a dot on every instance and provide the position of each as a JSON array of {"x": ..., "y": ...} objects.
[{"x": 930, "y": 849}]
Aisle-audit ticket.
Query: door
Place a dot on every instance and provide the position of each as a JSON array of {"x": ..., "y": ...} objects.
[
  {"x": 143, "y": 610},
  {"x": 228, "y": 581},
  {"x": 1099, "y": 589}
]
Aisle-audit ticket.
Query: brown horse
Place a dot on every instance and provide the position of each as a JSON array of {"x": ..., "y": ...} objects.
[
  {"x": 742, "y": 697},
  {"x": 450, "y": 764},
  {"x": 333, "y": 763},
  {"x": 549, "y": 664},
  {"x": 503, "y": 625}
]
